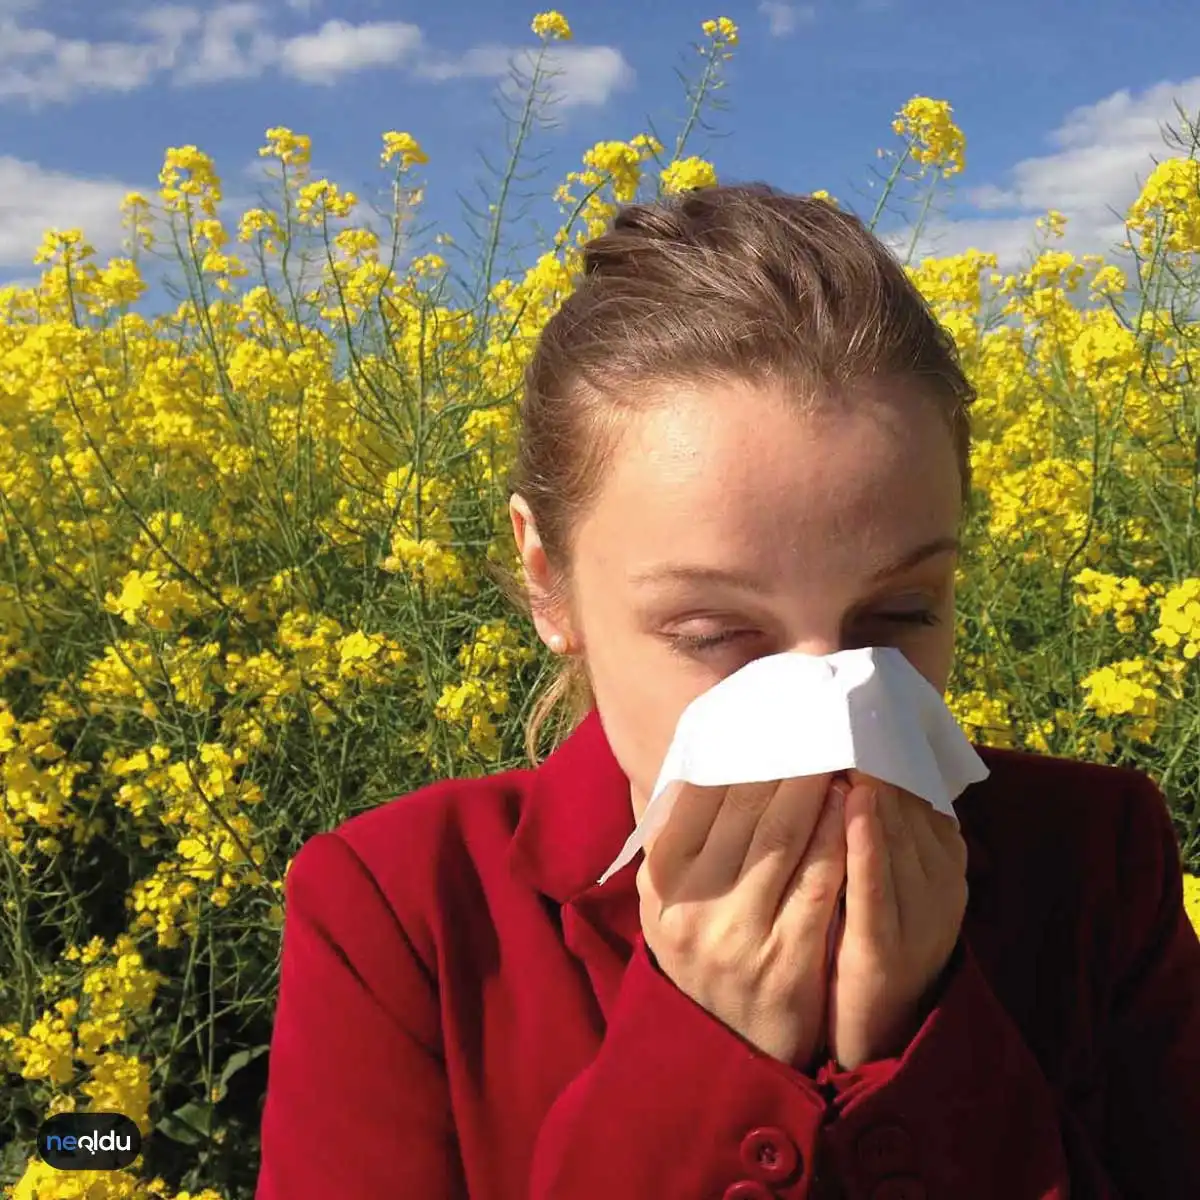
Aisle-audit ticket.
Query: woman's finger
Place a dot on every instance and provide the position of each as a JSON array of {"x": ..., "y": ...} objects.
[
  {"x": 677, "y": 843},
  {"x": 948, "y": 835},
  {"x": 924, "y": 824},
  {"x": 786, "y": 826},
  {"x": 720, "y": 861},
  {"x": 908, "y": 871},
  {"x": 806, "y": 897},
  {"x": 871, "y": 905}
]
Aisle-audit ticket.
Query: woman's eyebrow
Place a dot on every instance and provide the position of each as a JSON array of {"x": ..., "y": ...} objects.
[
  {"x": 916, "y": 556},
  {"x": 696, "y": 573}
]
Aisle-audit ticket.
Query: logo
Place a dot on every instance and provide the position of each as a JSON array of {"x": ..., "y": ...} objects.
[{"x": 89, "y": 1141}]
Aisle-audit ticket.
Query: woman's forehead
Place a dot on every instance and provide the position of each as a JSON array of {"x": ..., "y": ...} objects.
[
  {"x": 736, "y": 469},
  {"x": 744, "y": 444}
]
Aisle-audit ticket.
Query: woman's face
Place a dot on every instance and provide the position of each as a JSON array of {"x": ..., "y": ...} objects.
[{"x": 729, "y": 528}]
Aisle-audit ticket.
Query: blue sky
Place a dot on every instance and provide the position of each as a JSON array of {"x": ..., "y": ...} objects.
[{"x": 1061, "y": 102}]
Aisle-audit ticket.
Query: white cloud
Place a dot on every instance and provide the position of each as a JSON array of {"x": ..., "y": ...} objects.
[
  {"x": 576, "y": 76},
  {"x": 33, "y": 199},
  {"x": 339, "y": 47},
  {"x": 233, "y": 44},
  {"x": 785, "y": 19},
  {"x": 236, "y": 39},
  {"x": 1103, "y": 154},
  {"x": 169, "y": 22},
  {"x": 588, "y": 75},
  {"x": 37, "y": 65}
]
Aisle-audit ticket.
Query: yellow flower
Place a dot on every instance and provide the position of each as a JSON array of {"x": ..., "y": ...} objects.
[
  {"x": 1125, "y": 689},
  {"x": 292, "y": 149},
  {"x": 1108, "y": 281},
  {"x": 1179, "y": 619},
  {"x": 1053, "y": 223},
  {"x": 984, "y": 718},
  {"x": 721, "y": 30},
  {"x": 63, "y": 245},
  {"x": 1100, "y": 593},
  {"x": 257, "y": 221},
  {"x": 551, "y": 26},
  {"x": 403, "y": 146},
  {"x": 934, "y": 139},
  {"x": 365, "y": 656},
  {"x": 146, "y": 595},
  {"x": 120, "y": 1083},
  {"x": 321, "y": 199},
  {"x": 1191, "y": 899},
  {"x": 686, "y": 174},
  {"x": 1169, "y": 206},
  {"x": 189, "y": 178}
]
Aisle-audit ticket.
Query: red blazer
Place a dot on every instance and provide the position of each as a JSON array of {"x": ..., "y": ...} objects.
[{"x": 463, "y": 1013}]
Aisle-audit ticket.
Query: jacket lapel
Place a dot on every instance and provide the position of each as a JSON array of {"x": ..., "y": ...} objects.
[{"x": 576, "y": 818}]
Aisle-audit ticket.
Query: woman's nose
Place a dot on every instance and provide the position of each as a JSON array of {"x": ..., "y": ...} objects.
[{"x": 820, "y": 645}]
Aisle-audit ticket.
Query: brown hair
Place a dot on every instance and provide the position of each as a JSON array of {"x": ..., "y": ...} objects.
[{"x": 735, "y": 282}]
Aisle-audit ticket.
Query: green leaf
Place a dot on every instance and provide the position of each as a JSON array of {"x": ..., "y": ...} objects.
[
  {"x": 233, "y": 1064},
  {"x": 189, "y": 1124}
]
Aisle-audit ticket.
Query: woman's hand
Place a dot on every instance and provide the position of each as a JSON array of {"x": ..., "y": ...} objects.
[
  {"x": 737, "y": 895},
  {"x": 906, "y": 893}
]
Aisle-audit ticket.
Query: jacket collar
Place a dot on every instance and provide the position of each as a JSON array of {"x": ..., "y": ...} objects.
[{"x": 577, "y": 814}]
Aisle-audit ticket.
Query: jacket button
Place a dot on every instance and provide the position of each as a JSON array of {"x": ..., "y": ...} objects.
[
  {"x": 770, "y": 1155},
  {"x": 885, "y": 1150},
  {"x": 747, "y": 1189},
  {"x": 899, "y": 1187}
]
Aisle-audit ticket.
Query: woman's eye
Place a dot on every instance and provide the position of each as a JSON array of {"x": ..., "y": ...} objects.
[{"x": 700, "y": 643}]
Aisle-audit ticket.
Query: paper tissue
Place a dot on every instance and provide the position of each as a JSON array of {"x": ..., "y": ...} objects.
[{"x": 791, "y": 714}]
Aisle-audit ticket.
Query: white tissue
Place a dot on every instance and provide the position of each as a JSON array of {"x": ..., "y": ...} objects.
[{"x": 791, "y": 714}]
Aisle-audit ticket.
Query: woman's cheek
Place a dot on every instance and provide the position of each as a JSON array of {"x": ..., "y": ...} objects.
[{"x": 639, "y": 711}]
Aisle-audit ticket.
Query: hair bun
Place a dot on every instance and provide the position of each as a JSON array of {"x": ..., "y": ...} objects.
[
  {"x": 698, "y": 217},
  {"x": 661, "y": 221},
  {"x": 615, "y": 252}
]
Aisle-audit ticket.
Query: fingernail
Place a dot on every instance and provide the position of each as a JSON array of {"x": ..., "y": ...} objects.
[{"x": 840, "y": 792}]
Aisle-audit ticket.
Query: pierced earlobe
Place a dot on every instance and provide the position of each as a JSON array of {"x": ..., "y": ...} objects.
[{"x": 557, "y": 643}]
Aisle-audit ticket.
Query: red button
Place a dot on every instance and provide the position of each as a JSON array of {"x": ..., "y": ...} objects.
[
  {"x": 899, "y": 1187},
  {"x": 747, "y": 1189},
  {"x": 770, "y": 1154},
  {"x": 885, "y": 1150}
]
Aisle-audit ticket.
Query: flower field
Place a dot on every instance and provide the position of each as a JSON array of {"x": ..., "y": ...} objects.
[{"x": 255, "y": 553}]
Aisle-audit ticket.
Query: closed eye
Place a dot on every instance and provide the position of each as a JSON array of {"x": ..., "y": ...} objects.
[{"x": 699, "y": 643}]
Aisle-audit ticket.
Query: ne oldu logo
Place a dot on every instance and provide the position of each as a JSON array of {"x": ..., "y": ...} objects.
[{"x": 89, "y": 1141}]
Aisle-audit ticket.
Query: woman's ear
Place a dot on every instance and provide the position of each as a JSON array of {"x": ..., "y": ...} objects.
[{"x": 539, "y": 577}]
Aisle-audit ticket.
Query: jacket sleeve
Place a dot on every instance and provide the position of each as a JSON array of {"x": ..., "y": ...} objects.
[
  {"x": 967, "y": 1110},
  {"x": 677, "y": 1104},
  {"x": 357, "y": 1102}
]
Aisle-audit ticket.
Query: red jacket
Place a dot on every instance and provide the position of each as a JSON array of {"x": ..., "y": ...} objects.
[{"x": 463, "y": 1013}]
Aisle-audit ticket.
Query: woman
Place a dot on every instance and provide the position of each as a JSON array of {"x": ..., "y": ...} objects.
[{"x": 743, "y": 434}]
